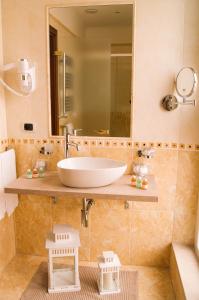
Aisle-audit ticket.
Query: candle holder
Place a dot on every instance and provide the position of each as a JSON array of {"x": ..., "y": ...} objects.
[
  {"x": 109, "y": 267},
  {"x": 63, "y": 242}
]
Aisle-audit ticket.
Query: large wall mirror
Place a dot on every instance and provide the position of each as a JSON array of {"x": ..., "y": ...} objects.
[{"x": 91, "y": 69}]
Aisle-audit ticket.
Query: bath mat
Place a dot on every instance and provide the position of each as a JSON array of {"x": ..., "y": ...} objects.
[{"x": 37, "y": 288}]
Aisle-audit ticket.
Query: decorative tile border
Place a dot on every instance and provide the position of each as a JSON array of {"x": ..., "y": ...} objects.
[
  {"x": 3, "y": 144},
  {"x": 103, "y": 143}
]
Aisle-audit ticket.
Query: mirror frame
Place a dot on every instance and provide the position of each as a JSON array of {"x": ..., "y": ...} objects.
[{"x": 74, "y": 3}]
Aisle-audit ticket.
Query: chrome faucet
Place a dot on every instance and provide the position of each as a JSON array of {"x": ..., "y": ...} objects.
[{"x": 69, "y": 144}]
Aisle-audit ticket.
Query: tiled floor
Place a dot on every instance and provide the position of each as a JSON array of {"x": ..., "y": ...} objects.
[{"x": 154, "y": 283}]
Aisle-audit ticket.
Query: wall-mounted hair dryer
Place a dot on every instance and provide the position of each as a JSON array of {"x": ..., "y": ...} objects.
[{"x": 26, "y": 75}]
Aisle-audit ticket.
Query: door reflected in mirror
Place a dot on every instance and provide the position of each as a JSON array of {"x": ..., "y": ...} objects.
[{"x": 91, "y": 69}]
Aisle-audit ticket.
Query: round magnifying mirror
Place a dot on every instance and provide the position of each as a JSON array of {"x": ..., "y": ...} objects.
[{"x": 186, "y": 82}]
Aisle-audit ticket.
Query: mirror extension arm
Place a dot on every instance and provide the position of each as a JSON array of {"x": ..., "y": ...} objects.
[{"x": 186, "y": 84}]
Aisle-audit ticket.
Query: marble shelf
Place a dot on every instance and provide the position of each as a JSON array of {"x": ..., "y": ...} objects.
[{"x": 50, "y": 185}]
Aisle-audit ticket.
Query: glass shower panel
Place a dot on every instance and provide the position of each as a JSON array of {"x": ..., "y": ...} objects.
[
  {"x": 120, "y": 95},
  {"x": 96, "y": 87}
]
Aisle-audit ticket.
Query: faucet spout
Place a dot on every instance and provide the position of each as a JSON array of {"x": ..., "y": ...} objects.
[{"x": 69, "y": 144}]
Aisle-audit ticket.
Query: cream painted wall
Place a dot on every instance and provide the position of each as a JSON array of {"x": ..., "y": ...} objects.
[
  {"x": 116, "y": 34},
  {"x": 3, "y": 126},
  {"x": 171, "y": 42},
  {"x": 24, "y": 35},
  {"x": 69, "y": 18},
  {"x": 159, "y": 55},
  {"x": 159, "y": 52}
]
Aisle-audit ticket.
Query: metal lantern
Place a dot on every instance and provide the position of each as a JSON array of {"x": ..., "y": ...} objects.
[
  {"x": 63, "y": 242},
  {"x": 109, "y": 280}
]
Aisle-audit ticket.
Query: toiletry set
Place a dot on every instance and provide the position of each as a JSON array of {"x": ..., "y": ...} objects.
[
  {"x": 35, "y": 173},
  {"x": 139, "y": 180},
  {"x": 38, "y": 171},
  {"x": 141, "y": 170}
]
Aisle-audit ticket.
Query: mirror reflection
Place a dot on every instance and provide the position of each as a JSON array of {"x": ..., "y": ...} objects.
[
  {"x": 186, "y": 82},
  {"x": 91, "y": 69}
]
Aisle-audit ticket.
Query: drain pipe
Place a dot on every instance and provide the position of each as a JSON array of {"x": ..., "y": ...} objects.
[{"x": 86, "y": 205}]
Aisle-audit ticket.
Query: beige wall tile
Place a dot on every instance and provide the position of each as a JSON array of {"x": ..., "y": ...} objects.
[
  {"x": 123, "y": 154},
  {"x": 27, "y": 155},
  {"x": 146, "y": 231},
  {"x": 164, "y": 166},
  {"x": 68, "y": 211},
  {"x": 33, "y": 221},
  {"x": 151, "y": 237},
  {"x": 34, "y": 199},
  {"x": 188, "y": 166},
  {"x": 184, "y": 227},
  {"x": 186, "y": 197},
  {"x": 7, "y": 241},
  {"x": 110, "y": 230}
]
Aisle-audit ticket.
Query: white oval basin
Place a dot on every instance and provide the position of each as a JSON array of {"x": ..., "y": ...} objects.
[{"x": 87, "y": 172}]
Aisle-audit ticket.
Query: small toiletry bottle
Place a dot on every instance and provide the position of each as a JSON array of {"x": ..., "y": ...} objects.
[
  {"x": 145, "y": 184},
  {"x": 35, "y": 173},
  {"x": 41, "y": 163},
  {"x": 139, "y": 182},
  {"x": 29, "y": 174},
  {"x": 133, "y": 180},
  {"x": 41, "y": 172}
]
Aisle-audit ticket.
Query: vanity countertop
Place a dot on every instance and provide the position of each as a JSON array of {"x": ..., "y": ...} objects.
[{"x": 50, "y": 185}]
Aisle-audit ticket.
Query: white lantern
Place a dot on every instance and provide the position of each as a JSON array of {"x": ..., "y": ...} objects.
[
  {"x": 109, "y": 280},
  {"x": 63, "y": 242}
]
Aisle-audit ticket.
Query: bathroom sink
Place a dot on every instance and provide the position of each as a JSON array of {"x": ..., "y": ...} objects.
[{"x": 87, "y": 172}]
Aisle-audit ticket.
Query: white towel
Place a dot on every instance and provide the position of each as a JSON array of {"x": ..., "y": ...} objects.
[{"x": 8, "y": 202}]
